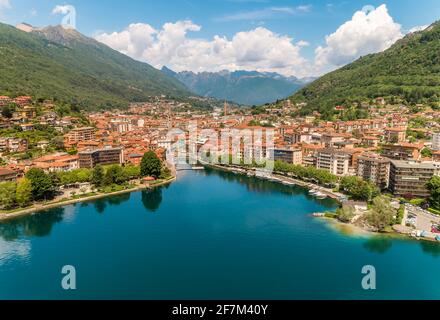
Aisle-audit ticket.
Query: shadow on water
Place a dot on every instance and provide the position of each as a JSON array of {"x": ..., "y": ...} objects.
[
  {"x": 84, "y": 204},
  {"x": 119, "y": 199},
  {"x": 431, "y": 248},
  {"x": 258, "y": 185},
  {"x": 152, "y": 199},
  {"x": 101, "y": 204},
  {"x": 378, "y": 245},
  {"x": 38, "y": 225}
]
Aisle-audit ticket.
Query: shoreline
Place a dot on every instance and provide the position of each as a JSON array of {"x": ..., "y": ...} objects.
[
  {"x": 307, "y": 185},
  {"x": 347, "y": 229},
  {"x": 61, "y": 203}
]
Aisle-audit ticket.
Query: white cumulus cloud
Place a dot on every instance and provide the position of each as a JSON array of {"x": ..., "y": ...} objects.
[
  {"x": 369, "y": 31},
  {"x": 418, "y": 28},
  {"x": 61, "y": 9},
  {"x": 258, "y": 49}
]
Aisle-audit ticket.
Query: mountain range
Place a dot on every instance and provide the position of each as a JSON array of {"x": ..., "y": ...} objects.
[
  {"x": 408, "y": 72},
  {"x": 65, "y": 65},
  {"x": 242, "y": 87}
]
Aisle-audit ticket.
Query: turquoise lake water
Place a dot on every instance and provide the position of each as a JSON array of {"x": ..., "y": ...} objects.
[{"x": 209, "y": 235}]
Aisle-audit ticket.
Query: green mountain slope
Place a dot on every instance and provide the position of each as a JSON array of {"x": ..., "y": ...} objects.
[
  {"x": 408, "y": 71},
  {"x": 67, "y": 66}
]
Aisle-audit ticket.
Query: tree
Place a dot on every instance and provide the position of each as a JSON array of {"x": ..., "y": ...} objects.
[
  {"x": 433, "y": 186},
  {"x": 57, "y": 143},
  {"x": 427, "y": 153},
  {"x": 8, "y": 194},
  {"x": 42, "y": 185},
  {"x": 359, "y": 189},
  {"x": 114, "y": 175},
  {"x": 151, "y": 165},
  {"x": 24, "y": 192},
  {"x": 7, "y": 112},
  {"x": 98, "y": 176},
  {"x": 83, "y": 175},
  {"x": 132, "y": 172},
  {"x": 345, "y": 214},
  {"x": 381, "y": 214},
  {"x": 166, "y": 173},
  {"x": 348, "y": 183}
]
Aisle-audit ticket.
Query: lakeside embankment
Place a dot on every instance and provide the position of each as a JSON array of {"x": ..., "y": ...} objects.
[
  {"x": 9, "y": 215},
  {"x": 346, "y": 228},
  {"x": 282, "y": 178}
]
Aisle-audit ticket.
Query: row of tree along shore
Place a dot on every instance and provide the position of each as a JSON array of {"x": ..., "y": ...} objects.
[
  {"x": 382, "y": 212},
  {"x": 38, "y": 188}
]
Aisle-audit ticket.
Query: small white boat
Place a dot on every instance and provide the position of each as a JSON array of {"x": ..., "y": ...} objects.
[
  {"x": 321, "y": 196},
  {"x": 318, "y": 215}
]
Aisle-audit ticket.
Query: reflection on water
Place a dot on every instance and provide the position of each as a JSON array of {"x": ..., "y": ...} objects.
[
  {"x": 258, "y": 185},
  {"x": 431, "y": 248},
  {"x": 152, "y": 199},
  {"x": 119, "y": 199},
  {"x": 12, "y": 245},
  {"x": 378, "y": 245},
  {"x": 70, "y": 213},
  {"x": 37, "y": 225},
  {"x": 263, "y": 244},
  {"x": 100, "y": 205},
  {"x": 12, "y": 250}
]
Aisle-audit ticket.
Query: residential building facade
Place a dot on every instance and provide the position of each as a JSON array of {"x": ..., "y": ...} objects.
[
  {"x": 106, "y": 156},
  {"x": 292, "y": 156},
  {"x": 408, "y": 179},
  {"x": 334, "y": 161},
  {"x": 372, "y": 167}
]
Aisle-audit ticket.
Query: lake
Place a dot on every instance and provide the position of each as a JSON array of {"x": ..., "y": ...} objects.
[{"x": 209, "y": 235}]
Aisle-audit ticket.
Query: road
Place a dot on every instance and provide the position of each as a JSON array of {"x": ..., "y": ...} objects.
[{"x": 424, "y": 219}]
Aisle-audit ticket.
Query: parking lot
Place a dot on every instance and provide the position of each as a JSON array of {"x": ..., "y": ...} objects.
[{"x": 421, "y": 219}]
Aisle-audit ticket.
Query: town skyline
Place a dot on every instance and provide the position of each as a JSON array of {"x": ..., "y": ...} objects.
[{"x": 121, "y": 179}]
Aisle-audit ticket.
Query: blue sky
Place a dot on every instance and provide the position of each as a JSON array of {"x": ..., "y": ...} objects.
[{"x": 308, "y": 20}]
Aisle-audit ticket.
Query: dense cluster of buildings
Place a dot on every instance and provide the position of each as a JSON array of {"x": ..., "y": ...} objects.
[{"x": 377, "y": 149}]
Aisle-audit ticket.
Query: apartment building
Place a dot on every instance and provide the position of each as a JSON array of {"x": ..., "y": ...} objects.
[
  {"x": 4, "y": 101},
  {"x": 334, "y": 160},
  {"x": 408, "y": 179},
  {"x": 120, "y": 125},
  {"x": 7, "y": 175},
  {"x": 395, "y": 135},
  {"x": 292, "y": 156},
  {"x": 329, "y": 139},
  {"x": 91, "y": 158},
  {"x": 80, "y": 134},
  {"x": 23, "y": 101},
  {"x": 298, "y": 137},
  {"x": 403, "y": 151},
  {"x": 375, "y": 168},
  {"x": 13, "y": 144},
  {"x": 436, "y": 141},
  {"x": 370, "y": 141}
]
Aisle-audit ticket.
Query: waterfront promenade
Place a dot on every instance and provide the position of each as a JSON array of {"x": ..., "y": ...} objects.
[{"x": 9, "y": 215}]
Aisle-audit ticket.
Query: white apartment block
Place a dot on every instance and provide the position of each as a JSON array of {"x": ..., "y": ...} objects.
[
  {"x": 436, "y": 141},
  {"x": 334, "y": 161}
]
